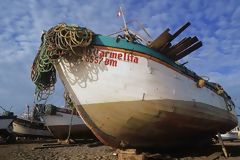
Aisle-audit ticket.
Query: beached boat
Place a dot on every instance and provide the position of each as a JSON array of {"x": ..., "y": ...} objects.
[
  {"x": 32, "y": 129},
  {"x": 63, "y": 123},
  {"x": 6, "y": 120},
  {"x": 133, "y": 95},
  {"x": 232, "y": 135}
]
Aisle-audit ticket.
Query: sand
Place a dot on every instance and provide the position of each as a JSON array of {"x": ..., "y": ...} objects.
[
  {"x": 25, "y": 151},
  {"x": 93, "y": 150}
]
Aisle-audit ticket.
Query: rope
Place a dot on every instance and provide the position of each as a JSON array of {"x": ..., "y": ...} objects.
[
  {"x": 70, "y": 126},
  {"x": 68, "y": 100},
  {"x": 57, "y": 42}
]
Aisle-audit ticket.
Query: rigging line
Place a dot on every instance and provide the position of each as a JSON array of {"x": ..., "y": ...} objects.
[{"x": 3, "y": 109}]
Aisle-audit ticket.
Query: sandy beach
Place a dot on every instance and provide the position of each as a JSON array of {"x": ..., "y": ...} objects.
[
  {"x": 26, "y": 151},
  {"x": 94, "y": 150}
]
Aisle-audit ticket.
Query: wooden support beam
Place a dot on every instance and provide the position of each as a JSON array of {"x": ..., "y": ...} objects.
[
  {"x": 184, "y": 45},
  {"x": 55, "y": 146},
  {"x": 222, "y": 144},
  {"x": 165, "y": 48},
  {"x": 161, "y": 40},
  {"x": 188, "y": 50},
  {"x": 182, "y": 41},
  {"x": 161, "y": 43},
  {"x": 180, "y": 30},
  {"x": 130, "y": 154}
]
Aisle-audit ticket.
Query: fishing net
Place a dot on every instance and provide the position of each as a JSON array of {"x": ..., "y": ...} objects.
[{"x": 57, "y": 42}]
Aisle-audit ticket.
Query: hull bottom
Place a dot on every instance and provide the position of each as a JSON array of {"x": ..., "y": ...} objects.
[{"x": 155, "y": 123}]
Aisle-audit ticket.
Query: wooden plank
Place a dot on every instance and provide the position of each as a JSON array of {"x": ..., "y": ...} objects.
[
  {"x": 161, "y": 40},
  {"x": 180, "y": 30},
  {"x": 222, "y": 144},
  {"x": 178, "y": 47},
  {"x": 164, "y": 38},
  {"x": 165, "y": 48},
  {"x": 182, "y": 41},
  {"x": 130, "y": 154},
  {"x": 55, "y": 146},
  {"x": 188, "y": 50},
  {"x": 183, "y": 46}
]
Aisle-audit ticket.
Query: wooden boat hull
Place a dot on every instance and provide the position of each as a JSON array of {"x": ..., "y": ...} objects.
[
  {"x": 63, "y": 120},
  {"x": 26, "y": 128},
  {"x": 129, "y": 99},
  {"x": 158, "y": 123}
]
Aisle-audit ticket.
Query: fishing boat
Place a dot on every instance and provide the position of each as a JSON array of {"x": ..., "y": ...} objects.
[
  {"x": 30, "y": 128},
  {"x": 133, "y": 94},
  {"x": 63, "y": 123},
  {"x": 6, "y": 120},
  {"x": 232, "y": 135}
]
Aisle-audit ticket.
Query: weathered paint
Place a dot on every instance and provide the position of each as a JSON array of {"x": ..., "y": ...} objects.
[{"x": 159, "y": 123}]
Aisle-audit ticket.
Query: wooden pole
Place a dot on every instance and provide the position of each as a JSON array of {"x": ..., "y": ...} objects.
[
  {"x": 180, "y": 30},
  {"x": 222, "y": 144}
]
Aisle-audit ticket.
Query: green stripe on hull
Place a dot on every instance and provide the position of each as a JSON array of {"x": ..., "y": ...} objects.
[{"x": 133, "y": 46}]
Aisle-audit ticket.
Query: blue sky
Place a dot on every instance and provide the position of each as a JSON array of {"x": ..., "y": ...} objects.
[{"x": 216, "y": 23}]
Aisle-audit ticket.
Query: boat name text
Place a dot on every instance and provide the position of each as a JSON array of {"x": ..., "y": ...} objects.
[{"x": 107, "y": 57}]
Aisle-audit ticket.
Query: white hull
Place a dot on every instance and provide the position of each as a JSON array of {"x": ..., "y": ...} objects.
[
  {"x": 133, "y": 103},
  {"x": 234, "y": 134},
  {"x": 62, "y": 119},
  {"x": 146, "y": 80},
  {"x": 60, "y": 123},
  {"x": 230, "y": 136},
  {"x": 23, "y": 130},
  {"x": 5, "y": 127},
  {"x": 5, "y": 123}
]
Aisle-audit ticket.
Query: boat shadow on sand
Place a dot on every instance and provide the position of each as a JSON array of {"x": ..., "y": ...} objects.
[
  {"x": 209, "y": 152},
  {"x": 91, "y": 142}
]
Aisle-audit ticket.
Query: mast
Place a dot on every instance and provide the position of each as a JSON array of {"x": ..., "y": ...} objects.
[
  {"x": 129, "y": 34},
  {"x": 125, "y": 27},
  {"x": 124, "y": 20}
]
